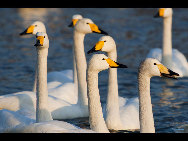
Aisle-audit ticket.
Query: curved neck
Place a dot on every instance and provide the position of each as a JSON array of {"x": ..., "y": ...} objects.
[
  {"x": 96, "y": 119},
  {"x": 81, "y": 66},
  {"x": 145, "y": 106},
  {"x": 42, "y": 112},
  {"x": 113, "y": 120},
  {"x": 167, "y": 41}
]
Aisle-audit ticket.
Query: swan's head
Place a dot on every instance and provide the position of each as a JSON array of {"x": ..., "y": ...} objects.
[
  {"x": 86, "y": 26},
  {"x": 35, "y": 27},
  {"x": 100, "y": 62},
  {"x": 75, "y": 18},
  {"x": 152, "y": 67},
  {"x": 164, "y": 12},
  {"x": 105, "y": 43},
  {"x": 42, "y": 40}
]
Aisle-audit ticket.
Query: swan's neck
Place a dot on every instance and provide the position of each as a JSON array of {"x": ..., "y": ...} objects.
[
  {"x": 75, "y": 74},
  {"x": 81, "y": 66},
  {"x": 42, "y": 112},
  {"x": 167, "y": 42},
  {"x": 35, "y": 81},
  {"x": 113, "y": 120},
  {"x": 145, "y": 106},
  {"x": 96, "y": 119}
]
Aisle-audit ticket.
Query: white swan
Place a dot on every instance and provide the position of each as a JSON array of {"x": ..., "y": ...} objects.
[
  {"x": 117, "y": 116},
  {"x": 44, "y": 122},
  {"x": 59, "y": 77},
  {"x": 172, "y": 58},
  {"x": 147, "y": 69},
  {"x": 24, "y": 102},
  {"x": 97, "y": 63}
]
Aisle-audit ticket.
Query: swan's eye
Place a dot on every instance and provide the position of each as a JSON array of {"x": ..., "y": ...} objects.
[
  {"x": 155, "y": 64},
  {"x": 35, "y": 25},
  {"x": 103, "y": 59},
  {"x": 44, "y": 36},
  {"x": 87, "y": 23},
  {"x": 105, "y": 41}
]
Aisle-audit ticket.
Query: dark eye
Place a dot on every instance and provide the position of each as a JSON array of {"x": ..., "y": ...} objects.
[
  {"x": 155, "y": 64},
  {"x": 44, "y": 36},
  {"x": 87, "y": 23},
  {"x": 35, "y": 25},
  {"x": 103, "y": 59},
  {"x": 105, "y": 41}
]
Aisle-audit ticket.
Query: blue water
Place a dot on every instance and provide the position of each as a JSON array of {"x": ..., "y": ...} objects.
[{"x": 135, "y": 32}]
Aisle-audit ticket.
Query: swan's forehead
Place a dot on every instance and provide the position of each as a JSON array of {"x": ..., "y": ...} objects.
[
  {"x": 86, "y": 20},
  {"x": 37, "y": 23},
  {"x": 98, "y": 57},
  {"x": 152, "y": 61},
  {"x": 106, "y": 38},
  {"x": 77, "y": 16}
]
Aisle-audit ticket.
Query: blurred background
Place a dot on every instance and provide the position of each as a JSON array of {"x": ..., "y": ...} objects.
[{"x": 135, "y": 32}]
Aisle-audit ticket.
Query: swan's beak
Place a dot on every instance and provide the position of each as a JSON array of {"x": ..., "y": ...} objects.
[
  {"x": 73, "y": 23},
  {"x": 97, "y": 47},
  {"x": 114, "y": 64},
  {"x": 96, "y": 29},
  {"x": 40, "y": 41},
  {"x": 165, "y": 72},
  {"x": 160, "y": 13},
  {"x": 29, "y": 30}
]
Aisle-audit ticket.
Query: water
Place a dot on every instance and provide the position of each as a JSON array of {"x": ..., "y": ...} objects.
[{"x": 135, "y": 32}]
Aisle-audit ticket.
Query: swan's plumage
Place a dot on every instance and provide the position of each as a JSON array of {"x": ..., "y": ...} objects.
[
  {"x": 178, "y": 61},
  {"x": 128, "y": 108},
  {"x": 42, "y": 120}
]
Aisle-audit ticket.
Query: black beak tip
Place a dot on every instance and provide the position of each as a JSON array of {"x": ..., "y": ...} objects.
[
  {"x": 92, "y": 50},
  {"x": 122, "y": 66},
  {"x": 70, "y": 25},
  {"x": 156, "y": 15}
]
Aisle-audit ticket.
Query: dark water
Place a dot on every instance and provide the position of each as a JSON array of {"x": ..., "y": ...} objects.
[{"x": 135, "y": 32}]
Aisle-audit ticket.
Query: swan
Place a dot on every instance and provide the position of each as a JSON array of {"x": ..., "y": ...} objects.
[
  {"x": 172, "y": 58},
  {"x": 97, "y": 63},
  {"x": 44, "y": 121},
  {"x": 150, "y": 67},
  {"x": 25, "y": 102},
  {"x": 57, "y": 76},
  {"x": 117, "y": 116}
]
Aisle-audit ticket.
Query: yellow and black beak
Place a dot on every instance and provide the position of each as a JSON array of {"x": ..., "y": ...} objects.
[
  {"x": 29, "y": 30},
  {"x": 39, "y": 41},
  {"x": 113, "y": 64},
  {"x": 165, "y": 72},
  {"x": 96, "y": 29},
  {"x": 160, "y": 13},
  {"x": 73, "y": 23},
  {"x": 99, "y": 45}
]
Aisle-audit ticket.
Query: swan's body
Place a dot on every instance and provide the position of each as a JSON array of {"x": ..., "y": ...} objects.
[
  {"x": 63, "y": 104},
  {"x": 44, "y": 122},
  {"x": 97, "y": 63},
  {"x": 149, "y": 68},
  {"x": 172, "y": 58},
  {"x": 119, "y": 113}
]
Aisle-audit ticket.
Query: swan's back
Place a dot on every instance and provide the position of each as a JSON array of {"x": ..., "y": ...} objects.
[{"x": 49, "y": 127}]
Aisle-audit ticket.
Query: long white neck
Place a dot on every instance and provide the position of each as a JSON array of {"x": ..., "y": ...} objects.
[
  {"x": 75, "y": 79},
  {"x": 35, "y": 81},
  {"x": 96, "y": 119},
  {"x": 167, "y": 42},
  {"x": 81, "y": 66},
  {"x": 145, "y": 106},
  {"x": 113, "y": 120},
  {"x": 42, "y": 112}
]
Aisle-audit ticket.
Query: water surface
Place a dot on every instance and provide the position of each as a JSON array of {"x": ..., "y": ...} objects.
[{"x": 135, "y": 32}]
